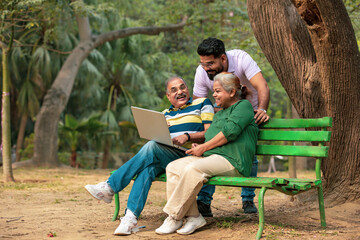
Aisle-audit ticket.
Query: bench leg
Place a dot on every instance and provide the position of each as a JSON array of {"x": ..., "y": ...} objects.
[
  {"x": 117, "y": 207},
  {"x": 321, "y": 206},
  {"x": 117, "y": 204},
  {"x": 261, "y": 212}
]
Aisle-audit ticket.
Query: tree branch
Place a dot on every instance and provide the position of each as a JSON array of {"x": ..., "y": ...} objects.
[{"x": 109, "y": 36}]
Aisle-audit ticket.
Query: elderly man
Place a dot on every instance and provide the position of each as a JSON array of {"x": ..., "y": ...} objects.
[
  {"x": 214, "y": 60},
  {"x": 153, "y": 157}
]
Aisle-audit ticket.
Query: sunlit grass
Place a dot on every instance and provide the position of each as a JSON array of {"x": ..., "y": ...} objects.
[{"x": 227, "y": 222}]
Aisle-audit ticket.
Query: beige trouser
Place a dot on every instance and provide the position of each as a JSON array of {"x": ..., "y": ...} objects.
[{"x": 185, "y": 178}]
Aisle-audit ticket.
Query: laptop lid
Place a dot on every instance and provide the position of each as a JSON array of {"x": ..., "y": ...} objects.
[{"x": 152, "y": 125}]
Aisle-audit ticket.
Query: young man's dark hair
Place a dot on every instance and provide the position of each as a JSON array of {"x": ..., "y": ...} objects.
[{"x": 211, "y": 46}]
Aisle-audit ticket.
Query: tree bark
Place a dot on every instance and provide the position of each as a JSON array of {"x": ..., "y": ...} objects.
[
  {"x": 312, "y": 47},
  {"x": 20, "y": 138},
  {"x": 106, "y": 154},
  {"x": 5, "y": 119},
  {"x": 55, "y": 100}
]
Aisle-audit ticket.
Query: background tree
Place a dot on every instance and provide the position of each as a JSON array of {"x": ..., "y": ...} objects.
[
  {"x": 5, "y": 116},
  {"x": 312, "y": 48},
  {"x": 55, "y": 100}
]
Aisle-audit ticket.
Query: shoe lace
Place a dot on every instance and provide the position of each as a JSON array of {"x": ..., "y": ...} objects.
[{"x": 170, "y": 220}]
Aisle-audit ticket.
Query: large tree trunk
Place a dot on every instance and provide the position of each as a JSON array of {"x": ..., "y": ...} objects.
[
  {"x": 55, "y": 100},
  {"x": 312, "y": 47}
]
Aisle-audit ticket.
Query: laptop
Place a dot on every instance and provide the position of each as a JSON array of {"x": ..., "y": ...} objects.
[{"x": 152, "y": 125}]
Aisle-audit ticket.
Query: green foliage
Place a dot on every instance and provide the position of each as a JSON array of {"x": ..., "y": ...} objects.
[{"x": 28, "y": 150}]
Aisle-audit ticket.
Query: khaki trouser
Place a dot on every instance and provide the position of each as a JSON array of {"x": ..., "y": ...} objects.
[{"x": 185, "y": 178}]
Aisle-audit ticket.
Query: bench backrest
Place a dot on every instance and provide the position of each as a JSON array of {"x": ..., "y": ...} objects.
[{"x": 276, "y": 130}]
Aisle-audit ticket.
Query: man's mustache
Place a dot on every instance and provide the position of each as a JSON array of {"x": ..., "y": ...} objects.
[{"x": 181, "y": 95}]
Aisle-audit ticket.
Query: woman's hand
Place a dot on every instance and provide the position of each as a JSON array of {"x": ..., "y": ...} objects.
[{"x": 196, "y": 150}]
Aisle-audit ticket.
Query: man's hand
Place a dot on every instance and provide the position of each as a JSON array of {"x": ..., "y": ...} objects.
[
  {"x": 260, "y": 116},
  {"x": 196, "y": 150},
  {"x": 180, "y": 140}
]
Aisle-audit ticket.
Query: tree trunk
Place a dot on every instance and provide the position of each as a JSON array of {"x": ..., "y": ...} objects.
[
  {"x": 20, "y": 138},
  {"x": 106, "y": 154},
  {"x": 55, "y": 100},
  {"x": 5, "y": 119},
  {"x": 73, "y": 158},
  {"x": 312, "y": 48}
]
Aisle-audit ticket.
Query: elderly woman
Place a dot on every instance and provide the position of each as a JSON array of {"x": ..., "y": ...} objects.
[{"x": 229, "y": 149}]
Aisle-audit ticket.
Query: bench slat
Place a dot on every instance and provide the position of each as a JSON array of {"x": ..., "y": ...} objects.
[
  {"x": 298, "y": 123},
  {"x": 242, "y": 181},
  {"x": 304, "y": 151},
  {"x": 322, "y": 136}
]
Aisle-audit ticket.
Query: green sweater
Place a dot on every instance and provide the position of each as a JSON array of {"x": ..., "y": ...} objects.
[{"x": 238, "y": 126}]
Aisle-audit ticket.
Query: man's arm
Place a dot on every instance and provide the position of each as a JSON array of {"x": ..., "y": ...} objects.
[
  {"x": 198, "y": 137},
  {"x": 259, "y": 83}
]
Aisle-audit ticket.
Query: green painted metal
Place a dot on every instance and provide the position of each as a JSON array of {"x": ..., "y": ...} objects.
[
  {"x": 261, "y": 212},
  {"x": 290, "y": 150},
  {"x": 117, "y": 207},
  {"x": 300, "y": 185},
  {"x": 161, "y": 177},
  {"x": 280, "y": 135},
  {"x": 242, "y": 181},
  {"x": 298, "y": 123},
  {"x": 117, "y": 204}
]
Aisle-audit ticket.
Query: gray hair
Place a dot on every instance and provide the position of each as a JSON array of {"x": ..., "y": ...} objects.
[
  {"x": 230, "y": 81},
  {"x": 173, "y": 78}
]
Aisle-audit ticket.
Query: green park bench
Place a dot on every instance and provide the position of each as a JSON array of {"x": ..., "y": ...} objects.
[{"x": 272, "y": 135}]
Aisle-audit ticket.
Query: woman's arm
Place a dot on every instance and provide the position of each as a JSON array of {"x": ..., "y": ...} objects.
[{"x": 216, "y": 141}]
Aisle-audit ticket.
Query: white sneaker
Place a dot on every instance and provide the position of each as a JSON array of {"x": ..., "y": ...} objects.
[
  {"x": 101, "y": 191},
  {"x": 127, "y": 224},
  {"x": 170, "y": 225},
  {"x": 192, "y": 223}
]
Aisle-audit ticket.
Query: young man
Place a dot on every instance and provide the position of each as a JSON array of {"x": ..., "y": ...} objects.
[
  {"x": 153, "y": 157},
  {"x": 214, "y": 60}
]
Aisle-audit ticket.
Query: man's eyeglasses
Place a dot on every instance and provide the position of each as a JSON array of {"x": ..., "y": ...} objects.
[{"x": 207, "y": 64}]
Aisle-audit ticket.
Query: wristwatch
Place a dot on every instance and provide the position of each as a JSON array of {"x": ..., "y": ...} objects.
[
  {"x": 262, "y": 110},
  {"x": 188, "y": 135}
]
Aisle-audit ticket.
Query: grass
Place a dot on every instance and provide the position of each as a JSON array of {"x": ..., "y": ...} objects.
[{"x": 227, "y": 222}]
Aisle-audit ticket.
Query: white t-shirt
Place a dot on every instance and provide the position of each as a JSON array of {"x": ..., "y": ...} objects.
[{"x": 241, "y": 64}]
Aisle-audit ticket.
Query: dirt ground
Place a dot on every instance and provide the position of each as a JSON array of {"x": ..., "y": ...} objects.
[{"x": 54, "y": 201}]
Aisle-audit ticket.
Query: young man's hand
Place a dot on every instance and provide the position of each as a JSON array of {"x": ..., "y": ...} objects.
[{"x": 260, "y": 116}]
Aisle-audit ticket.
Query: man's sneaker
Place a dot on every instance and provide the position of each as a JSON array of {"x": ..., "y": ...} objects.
[
  {"x": 192, "y": 223},
  {"x": 204, "y": 209},
  {"x": 249, "y": 207},
  {"x": 127, "y": 224},
  {"x": 101, "y": 191},
  {"x": 170, "y": 225}
]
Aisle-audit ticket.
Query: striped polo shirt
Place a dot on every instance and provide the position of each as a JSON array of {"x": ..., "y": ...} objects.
[{"x": 190, "y": 117}]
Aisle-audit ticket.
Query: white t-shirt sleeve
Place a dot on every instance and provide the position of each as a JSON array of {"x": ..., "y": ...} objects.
[
  {"x": 249, "y": 66},
  {"x": 200, "y": 87}
]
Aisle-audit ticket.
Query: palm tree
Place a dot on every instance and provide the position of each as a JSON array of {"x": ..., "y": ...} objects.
[{"x": 72, "y": 129}]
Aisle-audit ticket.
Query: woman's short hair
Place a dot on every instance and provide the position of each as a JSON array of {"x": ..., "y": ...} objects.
[{"x": 230, "y": 81}]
